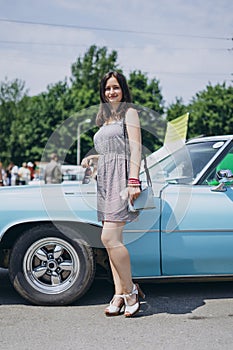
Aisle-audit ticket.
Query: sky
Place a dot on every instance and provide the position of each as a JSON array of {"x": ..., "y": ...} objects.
[{"x": 185, "y": 44}]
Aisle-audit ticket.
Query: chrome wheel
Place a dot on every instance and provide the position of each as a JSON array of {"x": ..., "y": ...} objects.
[
  {"x": 51, "y": 265},
  {"x": 48, "y": 267}
]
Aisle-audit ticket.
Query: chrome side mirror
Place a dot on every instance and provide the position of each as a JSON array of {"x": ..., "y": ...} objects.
[{"x": 222, "y": 176}]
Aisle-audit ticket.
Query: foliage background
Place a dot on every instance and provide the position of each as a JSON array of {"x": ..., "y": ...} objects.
[{"x": 27, "y": 122}]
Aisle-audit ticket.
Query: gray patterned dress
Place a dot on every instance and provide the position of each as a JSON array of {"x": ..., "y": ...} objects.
[{"x": 109, "y": 143}]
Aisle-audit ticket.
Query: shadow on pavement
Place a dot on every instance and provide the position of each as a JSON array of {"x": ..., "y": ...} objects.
[{"x": 170, "y": 298}]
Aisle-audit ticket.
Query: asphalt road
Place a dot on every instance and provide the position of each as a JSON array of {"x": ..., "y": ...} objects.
[{"x": 174, "y": 316}]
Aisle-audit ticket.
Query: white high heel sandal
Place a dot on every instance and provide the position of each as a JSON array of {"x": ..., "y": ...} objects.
[
  {"x": 131, "y": 310},
  {"x": 113, "y": 310}
]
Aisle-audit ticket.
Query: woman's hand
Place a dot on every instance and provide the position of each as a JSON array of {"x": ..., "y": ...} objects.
[
  {"x": 134, "y": 193},
  {"x": 86, "y": 162},
  {"x": 90, "y": 160}
]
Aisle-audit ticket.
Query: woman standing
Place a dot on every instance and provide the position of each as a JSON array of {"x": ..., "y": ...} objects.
[{"x": 119, "y": 158}]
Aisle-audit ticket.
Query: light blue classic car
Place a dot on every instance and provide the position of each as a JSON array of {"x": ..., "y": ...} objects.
[{"x": 50, "y": 237}]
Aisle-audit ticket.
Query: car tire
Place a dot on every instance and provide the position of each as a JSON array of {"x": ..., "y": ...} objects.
[{"x": 48, "y": 267}]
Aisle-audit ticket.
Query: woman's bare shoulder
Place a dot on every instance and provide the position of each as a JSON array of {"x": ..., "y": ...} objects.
[{"x": 131, "y": 116}]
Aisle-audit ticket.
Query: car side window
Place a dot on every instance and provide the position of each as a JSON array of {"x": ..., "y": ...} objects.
[{"x": 225, "y": 164}]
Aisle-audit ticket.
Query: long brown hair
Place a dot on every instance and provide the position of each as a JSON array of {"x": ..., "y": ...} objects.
[{"x": 105, "y": 110}]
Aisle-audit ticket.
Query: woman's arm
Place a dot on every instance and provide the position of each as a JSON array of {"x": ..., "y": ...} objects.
[{"x": 134, "y": 136}]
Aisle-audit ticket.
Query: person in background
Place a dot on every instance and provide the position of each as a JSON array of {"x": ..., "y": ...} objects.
[
  {"x": 8, "y": 173},
  {"x": 117, "y": 117},
  {"x": 31, "y": 168},
  {"x": 24, "y": 174},
  {"x": 14, "y": 175},
  {"x": 1, "y": 175},
  {"x": 53, "y": 172}
]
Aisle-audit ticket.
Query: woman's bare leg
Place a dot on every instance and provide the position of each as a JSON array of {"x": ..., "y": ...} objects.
[{"x": 118, "y": 256}]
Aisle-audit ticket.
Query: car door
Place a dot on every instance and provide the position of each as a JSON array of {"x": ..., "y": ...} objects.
[
  {"x": 196, "y": 230},
  {"x": 142, "y": 238}
]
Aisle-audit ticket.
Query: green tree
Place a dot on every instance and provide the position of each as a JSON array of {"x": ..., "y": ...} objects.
[
  {"x": 29, "y": 123},
  {"x": 37, "y": 117},
  {"x": 146, "y": 92},
  {"x": 176, "y": 109},
  {"x": 147, "y": 95},
  {"x": 11, "y": 94},
  {"x": 211, "y": 111}
]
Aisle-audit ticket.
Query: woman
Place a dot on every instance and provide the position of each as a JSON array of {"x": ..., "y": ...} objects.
[{"x": 118, "y": 144}]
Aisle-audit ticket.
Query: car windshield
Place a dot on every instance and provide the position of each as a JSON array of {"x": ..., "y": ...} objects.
[{"x": 184, "y": 165}]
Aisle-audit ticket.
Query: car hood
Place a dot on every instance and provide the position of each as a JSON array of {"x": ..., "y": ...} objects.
[{"x": 47, "y": 202}]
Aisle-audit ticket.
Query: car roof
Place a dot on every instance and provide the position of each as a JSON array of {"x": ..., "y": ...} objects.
[{"x": 210, "y": 138}]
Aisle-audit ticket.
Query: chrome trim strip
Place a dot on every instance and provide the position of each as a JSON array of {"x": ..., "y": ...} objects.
[
  {"x": 141, "y": 231},
  {"x": 200, "y": 231},
  {"x": 183, "y": 278}
]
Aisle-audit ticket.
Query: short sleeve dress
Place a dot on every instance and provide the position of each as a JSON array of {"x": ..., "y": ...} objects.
[{"x": 113, "y": 149}]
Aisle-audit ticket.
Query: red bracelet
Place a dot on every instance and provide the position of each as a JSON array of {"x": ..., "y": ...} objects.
[
  {"x": 133, "y": 182},
  {"x": 134, "y": 185}
]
